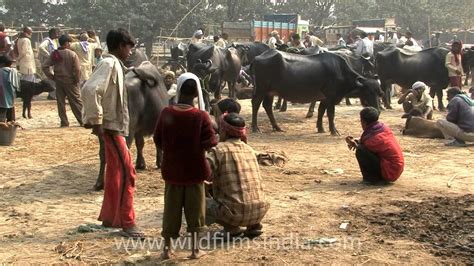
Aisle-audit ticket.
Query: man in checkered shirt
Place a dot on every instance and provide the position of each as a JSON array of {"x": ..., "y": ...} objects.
[{"x": 238, "y": 197}]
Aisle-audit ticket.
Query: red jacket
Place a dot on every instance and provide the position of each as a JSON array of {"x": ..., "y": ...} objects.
[
  {"x": 184, "y": 136},
  {"x": 385, "y": 145}
]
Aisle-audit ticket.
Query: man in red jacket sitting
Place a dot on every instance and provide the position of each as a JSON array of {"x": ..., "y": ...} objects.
[{"x": 378, "y": 152}]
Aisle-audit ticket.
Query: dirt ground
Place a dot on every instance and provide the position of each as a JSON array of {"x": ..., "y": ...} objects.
[{"x": 47, "y": 176}]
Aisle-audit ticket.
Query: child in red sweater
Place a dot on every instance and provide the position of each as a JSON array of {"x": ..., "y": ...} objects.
[{"x": 184, "y": 133}]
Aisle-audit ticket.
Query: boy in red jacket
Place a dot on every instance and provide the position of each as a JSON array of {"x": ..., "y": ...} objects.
[
  {"x": 184, "y": 133},
  {"x": 378, "y": 152}
]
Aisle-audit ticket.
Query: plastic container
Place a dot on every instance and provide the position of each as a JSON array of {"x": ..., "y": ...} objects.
[{"x": 7, "y": 135}]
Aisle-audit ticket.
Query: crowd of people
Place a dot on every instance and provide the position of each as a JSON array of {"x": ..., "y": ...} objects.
[
  {"x": 216, "y": 153},
  {"x": 64, "y": 60}
]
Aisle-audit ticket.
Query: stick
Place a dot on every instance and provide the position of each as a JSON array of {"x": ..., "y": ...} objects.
[
  {"x": 185, "y": 16},
  {"x": 451, "y": 180}
]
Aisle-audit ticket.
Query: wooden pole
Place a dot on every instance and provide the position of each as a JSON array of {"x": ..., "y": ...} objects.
[{"x": 429, "y": 30}]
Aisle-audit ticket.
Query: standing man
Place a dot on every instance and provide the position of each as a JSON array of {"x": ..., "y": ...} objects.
[
  {"x": 85, "y": 54},
  {"x": 378, "y": 153},
  {"x": 274, "y": 39},
  {"x": 45, "y": 49},
  {"x": 105, "y": 100},
  {"x": 197, "y": 36},
  {"x": 454, "y": 66},
  {"x": 26, "y": 58},
  {"x": 365, "y": 46},
  {"x": 315, "y": 41},
  {"x": 66, "y": 74},
  {"x": 459, "y": 123},
  {"x": 340, "y": 40},
  {"x": 5, "y": 43}
]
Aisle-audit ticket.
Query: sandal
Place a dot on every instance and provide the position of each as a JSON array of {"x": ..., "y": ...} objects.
[
  {"x": 132, "y": 232},
  {"x": 253, "y": 231}
]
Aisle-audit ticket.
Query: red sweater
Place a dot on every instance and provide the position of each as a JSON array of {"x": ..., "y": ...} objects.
[
  {"x": 184, "y": 136},
  {"x": 387, "y": 148}
]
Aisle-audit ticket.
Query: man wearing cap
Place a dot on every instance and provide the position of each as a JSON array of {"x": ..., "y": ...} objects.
[
  {"x": 67, "y": 74},
  {"x": 459, "y": 123},
  {"x": 238, "y": 196},
  {"x": 197, "y": 36},
  {"x": 417, "y": 100}
]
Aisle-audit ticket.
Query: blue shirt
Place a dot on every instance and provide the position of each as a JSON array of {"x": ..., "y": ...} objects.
[{"x": 7, "y": 89}]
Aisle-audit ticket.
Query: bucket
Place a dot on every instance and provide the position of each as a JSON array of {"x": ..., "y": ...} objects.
[{"x": 7, "y": 135}]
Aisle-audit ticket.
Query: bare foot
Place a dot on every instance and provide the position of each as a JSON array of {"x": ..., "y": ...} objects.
[{"x": 197, "y": 254}]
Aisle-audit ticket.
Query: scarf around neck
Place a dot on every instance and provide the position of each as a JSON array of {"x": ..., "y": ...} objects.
[
  {"x": 466, "y": 98},
  {"x": 372, "y": 130}
]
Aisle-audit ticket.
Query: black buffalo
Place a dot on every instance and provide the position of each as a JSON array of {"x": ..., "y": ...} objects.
[
  {"x": 251, "y": 50},
  {"x": 394, "y": 67},
  {"x": 468, "y": 64},
  {"x": 219, "y": 64},
  {"x": 326, "y": 77},
  {"x": 364, "y": 67},
  {"x": 147, "y": 97}
]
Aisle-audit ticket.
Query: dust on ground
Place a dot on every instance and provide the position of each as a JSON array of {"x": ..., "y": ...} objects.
[{"x": 47, "y": 176}]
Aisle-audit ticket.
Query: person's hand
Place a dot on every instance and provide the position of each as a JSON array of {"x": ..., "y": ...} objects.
[
  {"x": 97, "y": 130},
  {"x": 351, "y": 143}
]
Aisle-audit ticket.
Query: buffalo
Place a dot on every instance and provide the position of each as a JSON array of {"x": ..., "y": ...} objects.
[
  {"x": 395, "y": 67},
  {"x": 326, "y": 77}
]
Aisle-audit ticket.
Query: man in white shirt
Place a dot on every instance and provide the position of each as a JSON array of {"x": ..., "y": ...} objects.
[
  {"x": 365, "y": 46},
  {"x": 45, "y": 49}
]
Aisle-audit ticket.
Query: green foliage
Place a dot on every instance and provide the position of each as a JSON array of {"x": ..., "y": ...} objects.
[{"x": 149, "y": 18}]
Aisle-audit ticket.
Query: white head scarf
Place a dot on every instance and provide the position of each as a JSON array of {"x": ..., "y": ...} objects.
[
  {"x": 418, "y": 84},
  {"x": 198, "y": 33},
  {"x": 182, "y": 79}
]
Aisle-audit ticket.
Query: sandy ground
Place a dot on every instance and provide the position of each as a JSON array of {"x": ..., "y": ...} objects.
[{"x": 47, "y": 176}]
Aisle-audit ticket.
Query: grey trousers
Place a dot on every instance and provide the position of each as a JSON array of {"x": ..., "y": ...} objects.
[{"x": 451, "y": 130}]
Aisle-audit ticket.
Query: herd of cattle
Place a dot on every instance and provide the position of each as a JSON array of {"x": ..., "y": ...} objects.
[{"x": 302, "y": 76}]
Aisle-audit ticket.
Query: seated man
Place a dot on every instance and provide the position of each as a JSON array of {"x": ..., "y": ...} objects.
[
  {"x": 417, "y": 99},
  {"x": 238, "y": 197},
  {"x": 378, "y": 152},
  {"x": 459, "y": 123}
]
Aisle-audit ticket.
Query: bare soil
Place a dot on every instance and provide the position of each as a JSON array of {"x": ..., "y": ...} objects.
[{"x": 48, "y": 174}]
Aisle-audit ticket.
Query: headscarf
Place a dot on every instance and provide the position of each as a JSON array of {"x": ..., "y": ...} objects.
[
  {"x": 180, "y": 82},
  {"x": 232, "y": 131},
  {"x": 198, "y": 33},
  {"x": 418, "y": 84}
]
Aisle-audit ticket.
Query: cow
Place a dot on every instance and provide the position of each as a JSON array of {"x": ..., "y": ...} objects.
[
  {"x": 417, "y": 126},
  {"x": 30, "y": 89},
  {"x": 326, "y": 77},
  {"x": 147, "y": 96},
  {"x": 220, "y": 64},
  {"x": 395, "y": 67},
  {"x": 468, "y": 64}
]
